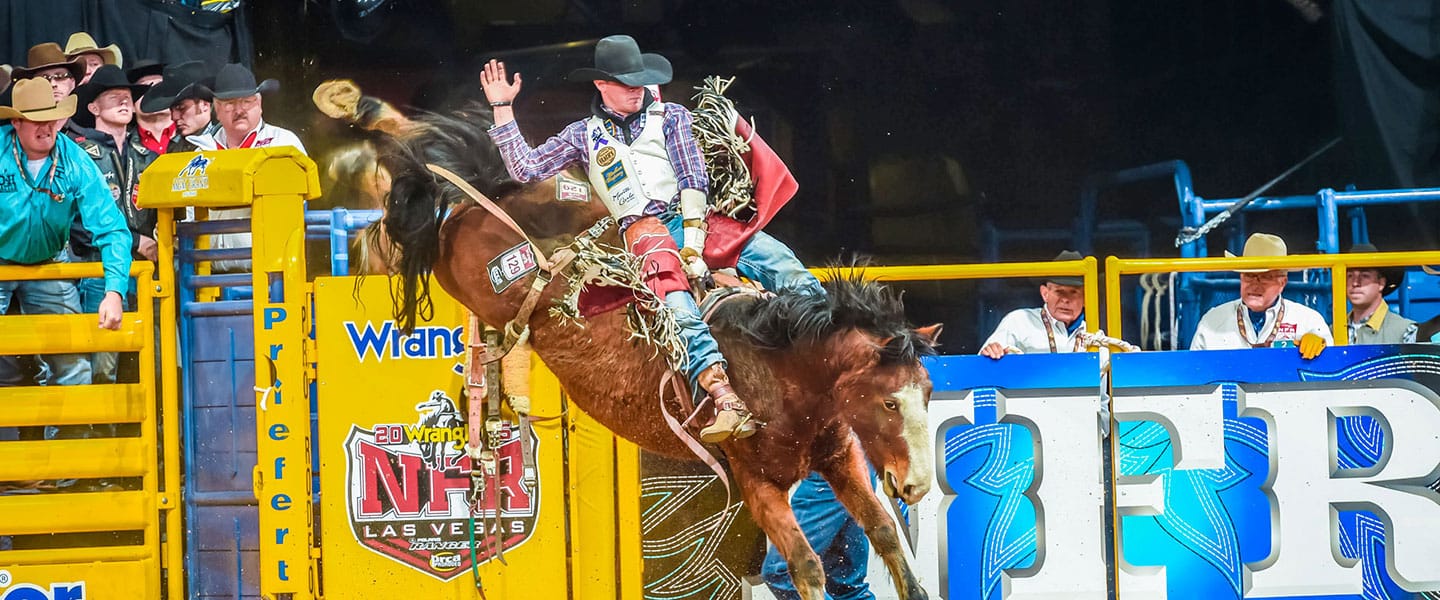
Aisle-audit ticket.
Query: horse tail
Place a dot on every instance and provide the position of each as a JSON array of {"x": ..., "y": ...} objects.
[
  {"x": 412, "y": 220},
  {"x": 418, "y": 201}
]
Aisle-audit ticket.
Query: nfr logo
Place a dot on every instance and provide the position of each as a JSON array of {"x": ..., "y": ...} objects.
[
  {"x": 410, "y": 491},
  {"x": 30, "y": 591},
  {"x": 1321, "y": 487}
]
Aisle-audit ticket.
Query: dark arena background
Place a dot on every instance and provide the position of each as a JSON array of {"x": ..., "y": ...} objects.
[{"x": 916, "y": 128}]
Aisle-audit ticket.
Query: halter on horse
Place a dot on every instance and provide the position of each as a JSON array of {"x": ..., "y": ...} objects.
[{"x": 837, "y": 379}]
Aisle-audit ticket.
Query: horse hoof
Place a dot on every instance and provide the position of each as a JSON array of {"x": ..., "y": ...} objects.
[{"x": 337, "y": 98}]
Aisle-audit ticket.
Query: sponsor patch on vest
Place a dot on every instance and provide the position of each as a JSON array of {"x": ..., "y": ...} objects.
[
  {"x": 614, "y": 175},
  {"x": 511, "y": 265},
  {"x": 7, "y": 183},
  {"x": 115, "y": 192},
  {"x": 605, "y": 156},
  {"x": 571, "y": 190}
]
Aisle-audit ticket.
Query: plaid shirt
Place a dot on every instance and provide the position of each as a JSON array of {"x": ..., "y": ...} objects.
[{"x": 567, "y": 148}]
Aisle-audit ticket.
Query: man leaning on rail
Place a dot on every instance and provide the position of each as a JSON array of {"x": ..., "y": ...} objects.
[
  {"x": 1260, "y": 318},
  {"x": 1055, "y": 326},
  {"x": 45, "y": 180}
]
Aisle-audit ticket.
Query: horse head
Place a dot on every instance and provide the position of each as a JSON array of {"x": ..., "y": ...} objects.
[
  {"x": 883, "y": 393},
  {"x": 855, "y": 347}
]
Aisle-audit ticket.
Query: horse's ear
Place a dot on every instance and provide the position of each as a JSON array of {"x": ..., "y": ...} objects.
[{"x": 931, "y": 333}]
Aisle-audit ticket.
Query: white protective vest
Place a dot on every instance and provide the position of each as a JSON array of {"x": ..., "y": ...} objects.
[{"x": 628, "y": 177}]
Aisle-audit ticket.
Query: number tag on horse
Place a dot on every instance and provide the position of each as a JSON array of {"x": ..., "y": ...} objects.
[
  {"x": 571, "y": 190},
  {"x": 511, "y": 265}
]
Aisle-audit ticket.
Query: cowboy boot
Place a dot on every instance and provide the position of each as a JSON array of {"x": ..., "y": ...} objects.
[{"x": 732, "y": 418}]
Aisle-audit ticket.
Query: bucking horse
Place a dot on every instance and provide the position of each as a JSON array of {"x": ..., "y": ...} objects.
[{"x": 836, "y": 380}]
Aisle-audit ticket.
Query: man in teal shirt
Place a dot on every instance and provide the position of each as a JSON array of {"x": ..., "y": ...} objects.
[{"x": 45, "y": 180}]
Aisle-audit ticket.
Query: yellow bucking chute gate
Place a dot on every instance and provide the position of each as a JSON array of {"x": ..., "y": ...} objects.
[{"x": 378, "y": 504}]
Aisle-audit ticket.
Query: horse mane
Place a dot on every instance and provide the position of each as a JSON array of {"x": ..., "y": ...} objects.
[
  {"x": 417, "y": 201},
  {"x": 793, "y": 317}
]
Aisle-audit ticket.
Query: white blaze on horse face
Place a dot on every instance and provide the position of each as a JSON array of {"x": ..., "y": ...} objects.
[{"x": 911, "y": 400}]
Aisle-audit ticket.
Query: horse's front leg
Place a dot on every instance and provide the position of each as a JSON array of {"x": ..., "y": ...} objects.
[
  {"x": 850, "y": 477},
  {"x": 770, "y": 507}
]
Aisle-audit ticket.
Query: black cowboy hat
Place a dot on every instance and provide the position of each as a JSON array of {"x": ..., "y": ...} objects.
[
  {"x": 105, "y": 78},
  {"x": 145, "y": 68},
  {"x": 48, "y": 55},
  {"x": 235, "y": 81},
  {"x": 185, "y": 81},
  {"x": 618, "y": 58},
  {"x": 1394, "y": 276},
  {"x": 1071, "y": 280}
]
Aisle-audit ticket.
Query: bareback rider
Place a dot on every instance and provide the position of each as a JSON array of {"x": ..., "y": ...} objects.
[{"x": 642, "y": 160}]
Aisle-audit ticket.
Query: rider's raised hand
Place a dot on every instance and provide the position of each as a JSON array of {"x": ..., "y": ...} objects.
[{"x": 496, "y": 83}]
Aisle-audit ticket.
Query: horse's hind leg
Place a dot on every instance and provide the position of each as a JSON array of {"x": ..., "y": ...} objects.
[
  {"x": 850, "y": 478},
  {"x": 770, "y": 507}
]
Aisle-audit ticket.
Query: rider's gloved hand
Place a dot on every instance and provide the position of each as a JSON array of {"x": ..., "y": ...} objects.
[
  {"x": 695, "y": 267},
  {"x": 692, "y": 210}
]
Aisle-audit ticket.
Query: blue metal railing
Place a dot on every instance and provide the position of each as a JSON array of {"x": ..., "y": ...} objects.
[{"x": 338, "y": 224}]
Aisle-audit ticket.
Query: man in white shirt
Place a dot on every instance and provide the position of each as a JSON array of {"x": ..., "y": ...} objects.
[
  {"x": 239, "y": 108},
  {"x": 1260, "y": 318},
  {"x": 1053, "y": 327}
]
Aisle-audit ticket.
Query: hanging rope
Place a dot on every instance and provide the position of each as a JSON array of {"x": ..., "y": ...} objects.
[{"x": 732, "y": 189}]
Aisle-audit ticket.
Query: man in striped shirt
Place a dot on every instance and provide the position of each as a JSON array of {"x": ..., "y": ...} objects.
[{"x": 642, "y": 160}]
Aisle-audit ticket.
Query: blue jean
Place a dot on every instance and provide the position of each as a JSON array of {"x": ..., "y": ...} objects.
[
  {"x": 55, "y": 297},
  {"x": 700, "y": 348},
  {"x": 102, "y": 364},
  {"x": 840, "y": 541},
  {"x": 763, "y": 259}
]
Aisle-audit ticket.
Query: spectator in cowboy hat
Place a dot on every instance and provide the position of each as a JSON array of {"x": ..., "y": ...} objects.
[
  {"x": 121, "y": 157},
  {"x": 82, "y": 46},
  {"x": 1053, "y": 327},
  {"x": 40, "y": 195},
  {"x": 1260, "y": 318},
  {"x": 109, "y": 97},
  {"x": 155, "y": 127},
  {"x": 146, "y": 72},
  {"x": 239, "y": 108},
  {"x": 1371, "y": 320},
  {"x": 49, "y": 62},
  {"x": 184, "y": 93}
]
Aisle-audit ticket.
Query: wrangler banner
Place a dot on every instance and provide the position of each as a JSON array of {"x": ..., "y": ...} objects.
[{"x": 1229, "y": 474}]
